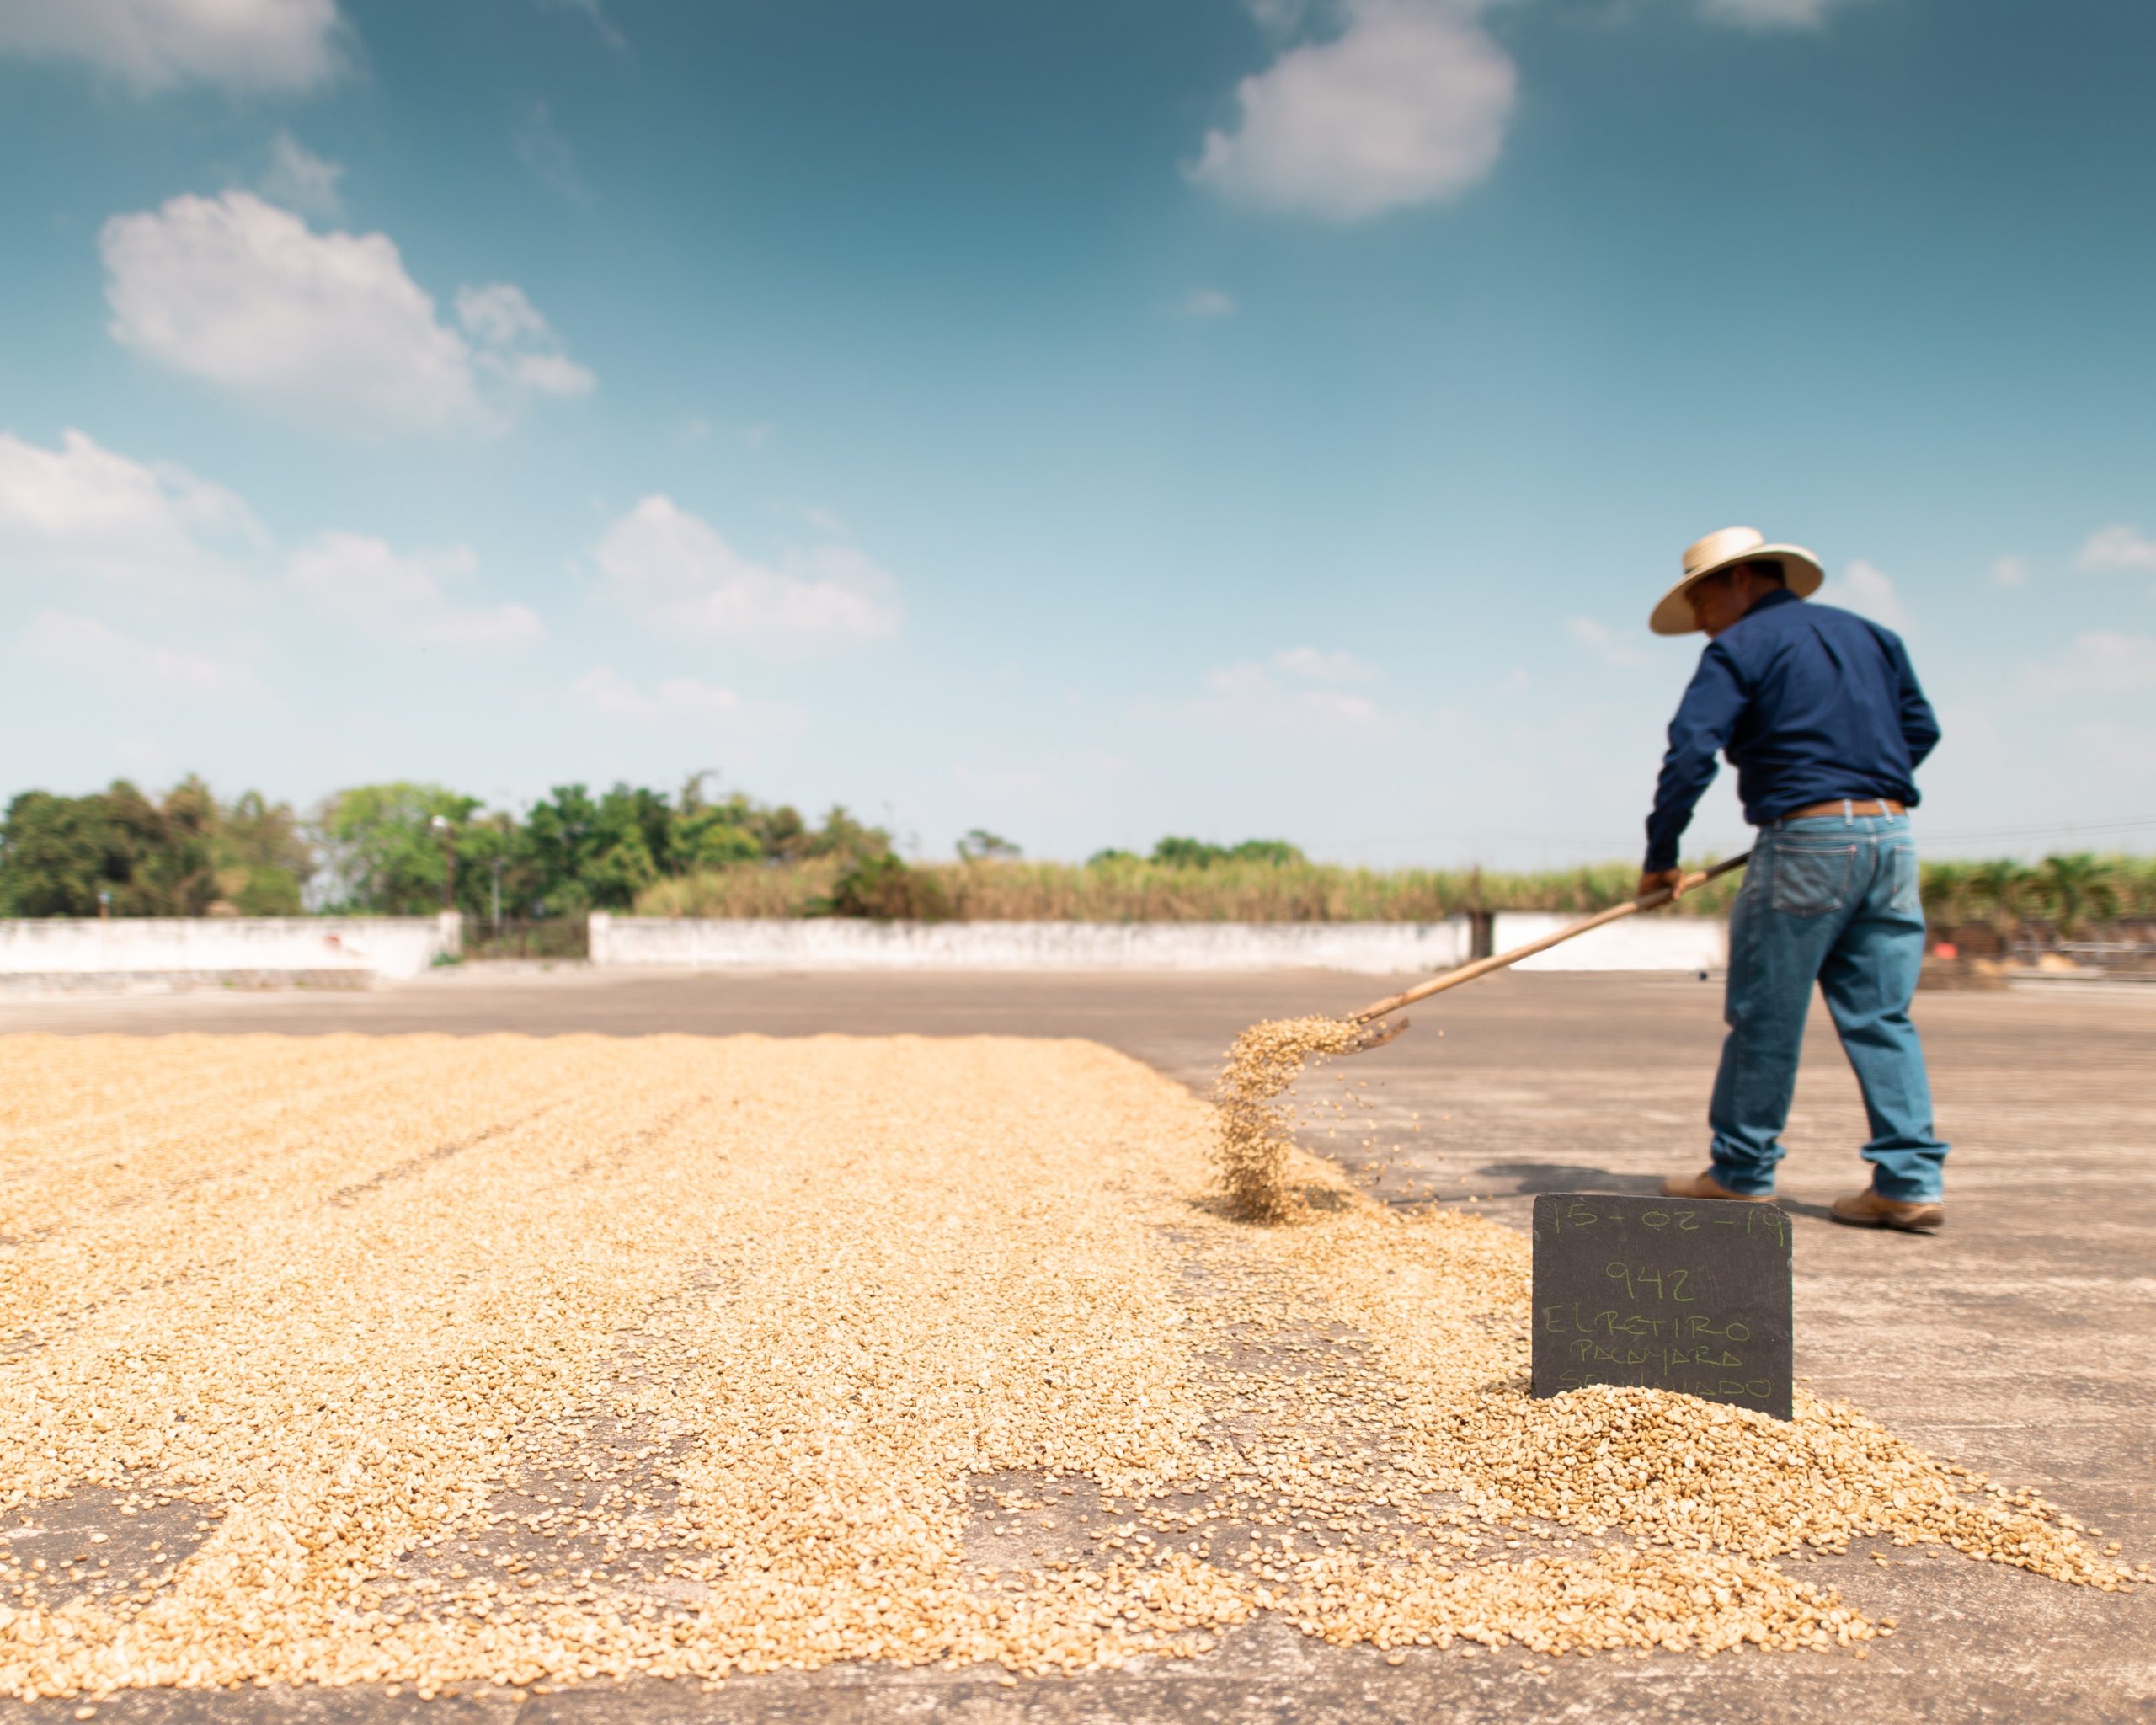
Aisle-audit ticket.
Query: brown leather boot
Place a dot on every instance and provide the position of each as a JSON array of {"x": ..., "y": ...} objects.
[
  {"x": 1868, "y": 1209},
  {"x": 1705, "y": 1185}
]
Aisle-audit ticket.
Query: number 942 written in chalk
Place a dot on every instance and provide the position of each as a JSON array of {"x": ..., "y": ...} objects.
[{"x": 1643, "y": 1284}]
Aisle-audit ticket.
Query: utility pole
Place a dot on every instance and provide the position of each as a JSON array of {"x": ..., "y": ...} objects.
[{"x": 498, "y": 892}]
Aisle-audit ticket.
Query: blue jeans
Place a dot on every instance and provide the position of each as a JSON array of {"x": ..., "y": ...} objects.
[{"x": 1831, "y": 899}]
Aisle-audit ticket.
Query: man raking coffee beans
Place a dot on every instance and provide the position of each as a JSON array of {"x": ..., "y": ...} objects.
[{"x": 1820, "y": 713}]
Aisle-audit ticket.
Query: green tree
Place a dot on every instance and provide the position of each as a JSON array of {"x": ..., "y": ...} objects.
[
  {"x": 1996, "y": 890},
  {"x": 176, "y": 862},
  {"x": 707, "y": 834},
  {"x": 624, "y": 862},
  {"x": 491, "y": 851},
  {"x": 1174, "y": 852},
  {"x": 1947, "y": 895},
  {"x": 263, "y": 860},
  {"x": 384, "y": 855},
  {"x": 713, "y": 838},
  {"x": 114, "y": 848},
  {"x": 2076, "y": 889},
  {"x": 58, "y": 853},
  {"x": 882, "y": 887},
  {"x": 980, "y": 845},
  {"x": 591, "y": 853},
  {"x": 842, "y": 835}
]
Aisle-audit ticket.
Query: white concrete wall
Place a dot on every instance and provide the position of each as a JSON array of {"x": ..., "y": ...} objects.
[
  {"x": 1649, "y": 942},
  {"x": 147, "y": 947},
  {"x": 836, "y": 943}
]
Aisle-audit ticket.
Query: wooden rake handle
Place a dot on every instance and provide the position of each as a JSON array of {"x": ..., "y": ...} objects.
[{"x": 1499, "y": 961}]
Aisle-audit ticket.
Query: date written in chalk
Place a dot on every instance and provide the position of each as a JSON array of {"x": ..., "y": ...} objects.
[
  {"x": 1692, "y": 1297},
  {"x": 1683, "y": 1218}
]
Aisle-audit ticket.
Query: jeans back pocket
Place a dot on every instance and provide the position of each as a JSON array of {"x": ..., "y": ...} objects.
[
  {"x": 1810, "y": 879},
  {"x": 1905, "y": 886}
]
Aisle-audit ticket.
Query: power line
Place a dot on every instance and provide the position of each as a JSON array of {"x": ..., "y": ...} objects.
[
  {"x": 1606, "y": 847},
  {"x": 2069, "y": 830}
]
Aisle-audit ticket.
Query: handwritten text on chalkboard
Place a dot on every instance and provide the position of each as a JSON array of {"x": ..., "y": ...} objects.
[{"x": 1689, "y": 1294}]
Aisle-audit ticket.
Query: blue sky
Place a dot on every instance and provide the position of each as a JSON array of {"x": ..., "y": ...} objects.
[{"x": 1233, "y": 417}]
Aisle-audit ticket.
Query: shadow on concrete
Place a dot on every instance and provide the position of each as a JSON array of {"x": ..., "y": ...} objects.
[
  {"x": 1529, "y": 1178},
  {"x": 1569, "y": 1177}
]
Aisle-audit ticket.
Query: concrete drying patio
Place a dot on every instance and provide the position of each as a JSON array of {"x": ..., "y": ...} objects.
[{"x": 2023, "y": 1342}]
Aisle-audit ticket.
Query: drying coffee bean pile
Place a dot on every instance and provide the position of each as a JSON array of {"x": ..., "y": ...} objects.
[
  {"x": 1255, "y": 1118},
  {"x": 439, "y": 1362}
]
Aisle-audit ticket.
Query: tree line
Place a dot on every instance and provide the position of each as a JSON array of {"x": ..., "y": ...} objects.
[
  {"x": 409, "y": 849},
  {"x": 395, "y": 849}
]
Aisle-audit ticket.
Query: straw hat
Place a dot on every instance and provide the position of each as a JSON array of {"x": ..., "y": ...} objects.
[{"x": 1715, "y": 552}]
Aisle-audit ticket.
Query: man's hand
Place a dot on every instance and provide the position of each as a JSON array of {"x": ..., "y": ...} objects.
[{"x": 1655, "y": 882}]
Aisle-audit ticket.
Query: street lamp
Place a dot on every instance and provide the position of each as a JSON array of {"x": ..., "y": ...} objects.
[{"x": 440, "y": 824}]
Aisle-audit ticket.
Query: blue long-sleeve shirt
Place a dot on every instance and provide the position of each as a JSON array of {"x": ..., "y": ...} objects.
[{"x": 1812, "y": 703}]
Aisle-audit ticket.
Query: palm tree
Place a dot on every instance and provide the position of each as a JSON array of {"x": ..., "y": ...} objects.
[
  {"x": 1946, "y": 897},
  {"x": 2077, "y": 888},
  {"x": 1996, "y": 890}
]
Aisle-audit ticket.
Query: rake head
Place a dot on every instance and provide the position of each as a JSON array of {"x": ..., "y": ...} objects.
[{"x": 1376, "y": 1033}]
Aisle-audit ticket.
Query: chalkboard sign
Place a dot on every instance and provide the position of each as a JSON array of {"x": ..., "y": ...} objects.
[{"x": 1673, "y": 1293}]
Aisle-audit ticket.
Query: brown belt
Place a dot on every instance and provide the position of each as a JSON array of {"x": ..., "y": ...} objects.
[{"x": 1842, "y": 807}]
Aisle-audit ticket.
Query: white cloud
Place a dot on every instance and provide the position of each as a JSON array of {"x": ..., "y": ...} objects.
[
  {"x": 2099, "y": 662},
  {"x": 596, "y": 12},
  {"x": 301, "y": 181},
  {"x": 499, "y": 315},
  {"x": 672, "y": 571},
  {"x": 698, "y": 428},
  {"x": 1207, "y": 302},
  {"x": 544, "y": 374},
  {"x": 1280, "y": 18},
  {"x": 82, "y": 643},
  {"x": 1315, "y": 666},
  {"x": 541, "y": 147},
  {"x": 1408, "y": 104},
  {"x": 678, "y": 703},
  {"x": 2011, "y": 571},
  {"x": 1249, "y": 700},
  {"x": 236, "y": 44},
  {"x": 1868, "y": 592},
  {"x": 83, "y": 509},
  {"x": 2119, "y": 546},
  {"x": 1605, "y": 644},
  {"x": 240, "y": 294},
  {"x": 1770, "y": 14},
  {"x": 401, "y": 595},
  {"x": 516, "y": 343}
]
